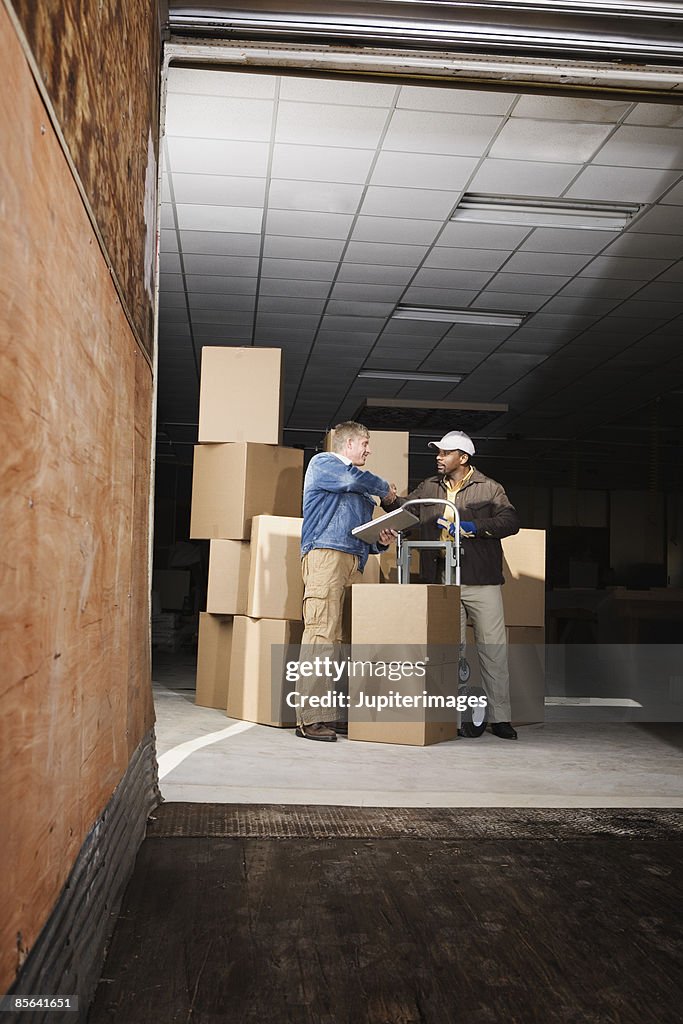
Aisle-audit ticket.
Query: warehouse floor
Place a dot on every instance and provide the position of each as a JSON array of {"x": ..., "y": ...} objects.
[{"x": 205, "y": 757}]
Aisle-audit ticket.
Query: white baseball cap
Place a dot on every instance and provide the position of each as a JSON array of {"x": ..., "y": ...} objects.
[{"x": 455, "y": 440}]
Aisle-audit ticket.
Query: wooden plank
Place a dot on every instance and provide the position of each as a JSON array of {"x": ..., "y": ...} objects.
[
  {"x": 76, "y": 392},
  {"x": 99, "y": 61},
  {"x": 397, "y": 932}
]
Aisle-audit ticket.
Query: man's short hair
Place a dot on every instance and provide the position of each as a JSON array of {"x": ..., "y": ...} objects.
[{"x": 346, "y": 430}]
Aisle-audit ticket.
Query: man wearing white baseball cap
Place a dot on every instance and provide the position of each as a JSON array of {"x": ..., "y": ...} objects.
[{"x": 486, "y": 515}]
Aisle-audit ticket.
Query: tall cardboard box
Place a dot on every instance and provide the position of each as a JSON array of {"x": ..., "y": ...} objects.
[
  {"x": 228, "y": 584},
  {"x": 526, "y": 664},
  {"x": 257, "y": 674},
  {"x": 213, "y": 660},
  {"x": 405, "y": 624},
  {"x": 524, "y": 572},
  {"x": 240, "y": 395},
  {"x": 232, "y": 483},
  {"x": 275, "y": 588}
]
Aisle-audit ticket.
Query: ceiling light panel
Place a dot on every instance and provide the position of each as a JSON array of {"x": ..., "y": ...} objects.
[
  {"x": 441, "y": 378},
  {"x": 458, "y": 316},
  {"x": 534, "y": 212}
]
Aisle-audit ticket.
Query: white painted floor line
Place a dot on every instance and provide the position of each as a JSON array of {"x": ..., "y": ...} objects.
[
  {"x": 176, "y": 755},
  {"x": 603, "y": 702}
]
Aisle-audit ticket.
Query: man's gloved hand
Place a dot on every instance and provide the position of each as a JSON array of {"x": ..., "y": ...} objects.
[
  {"x": 446, "y": 524},
  {"x": 467, "y": 528}
]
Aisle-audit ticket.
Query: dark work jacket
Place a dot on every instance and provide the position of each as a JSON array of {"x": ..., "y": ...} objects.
[{"x": 481, "y": 501}]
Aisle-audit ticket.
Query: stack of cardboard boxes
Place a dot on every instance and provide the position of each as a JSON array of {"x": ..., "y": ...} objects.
[{"x": 246, "y": 499}]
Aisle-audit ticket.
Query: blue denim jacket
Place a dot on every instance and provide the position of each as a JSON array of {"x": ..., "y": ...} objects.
[{"x": 337, "y": 498}]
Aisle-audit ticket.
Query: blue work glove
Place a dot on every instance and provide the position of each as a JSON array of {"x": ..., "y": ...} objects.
[{"x": 468, "y": 528}]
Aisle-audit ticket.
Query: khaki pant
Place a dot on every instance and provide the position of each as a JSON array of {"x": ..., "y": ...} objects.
[
  {"x": 326, "y": 574},
  {"x": 484, "y": 608}
]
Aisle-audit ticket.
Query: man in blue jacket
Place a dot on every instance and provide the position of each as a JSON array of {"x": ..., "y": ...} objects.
[{"x": 338, "y": 496}]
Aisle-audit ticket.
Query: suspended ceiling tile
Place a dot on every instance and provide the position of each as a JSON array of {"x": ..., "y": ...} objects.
[
  {"x": 522, "y": 284},
  {"x": 448, "y": 297},
  {"x": 322, "y": 196},
  {"x": 664, "y": 220},
  {"x": 218, "y": 156},
  {"x": 280, "y": 286},
  {"x": 220, "y": 243},
  {"x": 502, "y": 301},
  {"x": 428, "y": 277},
  {"x": 430, "y": 204},
  {"x": 318, "y": 124},
  {"x": 523, "y": 178},
  {"x": 674, "y": 273},
  {"x": 362, "y": 340},
  {"x": 633, "y": 243},
  {"x": 661, "y": 291},
  {"x": 219, "y": 218},
  {"x": 444, "y": 362},
  {"x": 419, "y": 131},
  {"x": 675, "y": 196},
  {"x": 387, "y": 229},
  {"x": 492, "y": 237},
  {"x": 219, "y": 117},
  {"x": 360, "y": 273},
  {"x": 580, "y": 304},
  {"x": 569, "y": 108},
  {"x": 447, "y": 258},
  {"x": 208, "y": 82},
  {"x": 218, "y": 190},
  {"x": 166, "y": 218},
  {"x": 292, "y": 321},
  {"x": 629, "y": 184},
  {"x": 233, "y": 266},
  {"x": 223, "y": 316},
  {"x": 315, "y": 270},
  {"x": 171, "y": 283},
  {"x": 425, "y": 391},
  {"x": 352, "y": 323},
  {"x": 549, "y": 141},
  {"x": 322, "y": 164},
  {"x": 285, "y": 304},
  {"x": 296, "y": 223},
  {"x": 414, "y": 170},
  {"x": 169, "y": 263},
  {"x": 460, "y": 101},
  {"x": 624, "y": 267},
  {"x": 324, "y": 249},
  {"x": 220, "y": 301},
  {"x": 268, "y": 335},
  {"x": 360, "y": 94},
  {"x": 605, "y": 288},
  {"x": 170, "y": 300},
  {"x": 386, "y": 254},
  {"x": 227, "y": 334},
  {"x": 477, "y": 335},
  {"x": 566, "y": 240},
  {"x": 367, "y": 292},
  {"x": 635, "y": 146},
  {"x": 659, "y": 115},
  {"x": 355, "y": 308},
  {"x": 548, "y": 263}
]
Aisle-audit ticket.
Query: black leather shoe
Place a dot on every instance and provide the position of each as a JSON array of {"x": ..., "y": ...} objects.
[
  {"x": 471, "y": 731},
  {"x": 504, "y": 730},
  {"x": 341, "y": 728},
  {"x": 317, "y": 731}
]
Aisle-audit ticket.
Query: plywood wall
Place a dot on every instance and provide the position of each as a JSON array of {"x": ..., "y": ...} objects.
[
  {"x": 99, "y": 60},
  {"x": 76, "y": 419}
]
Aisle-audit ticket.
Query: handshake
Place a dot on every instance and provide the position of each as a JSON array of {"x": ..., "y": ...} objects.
[{"x": 467, "y": 528}]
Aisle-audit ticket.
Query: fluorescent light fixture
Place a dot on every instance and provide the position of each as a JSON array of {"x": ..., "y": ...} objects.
[
  {"x": 549, "y": 213},
  {"x": 440, "y": 378},
  {"x": 480, "y": 317}
]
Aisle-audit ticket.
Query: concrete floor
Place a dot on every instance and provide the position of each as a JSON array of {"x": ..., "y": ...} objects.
[{"x": 206, "y": 757}]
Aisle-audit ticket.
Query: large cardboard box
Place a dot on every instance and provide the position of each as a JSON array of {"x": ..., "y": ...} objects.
[
  {"x": 228, "y": 577},
  {"x": 213, "y": 660},
  {"x": 389, "y": 458},
  {"x": 404, "y": 624},
  {"x": 240, "y": 395},
  {"x": 526, "y": 663},
  {"x": 232, "y": 483},
  {"x": 257, "y": 686},
  {"x": 524, "y": 572},
  {"x": 276, "y": 588}
]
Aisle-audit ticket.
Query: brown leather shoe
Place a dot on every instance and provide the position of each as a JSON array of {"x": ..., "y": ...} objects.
[
  {"x": 317, "y": 731},
  {"x": 341, "y": 728}
]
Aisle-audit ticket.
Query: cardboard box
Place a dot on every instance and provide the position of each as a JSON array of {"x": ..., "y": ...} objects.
[
  {"x": 172, "y": 586},
  {"x": 213, "y": 660},
  {"x": 240, "y": 395},
  {"x": 406, "y": 624},
  {"x": 232, "y": 483},
  {"x": 257, "y": 688},
  {"x": 420, "y": 725},
  {"x": 524, "y": 572},
  {"x": 526, "y": 663},
  {"x": 389, "y": 458},
  {"x": 276, "y": 588},
  {"x": 228, "y": 577}
]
